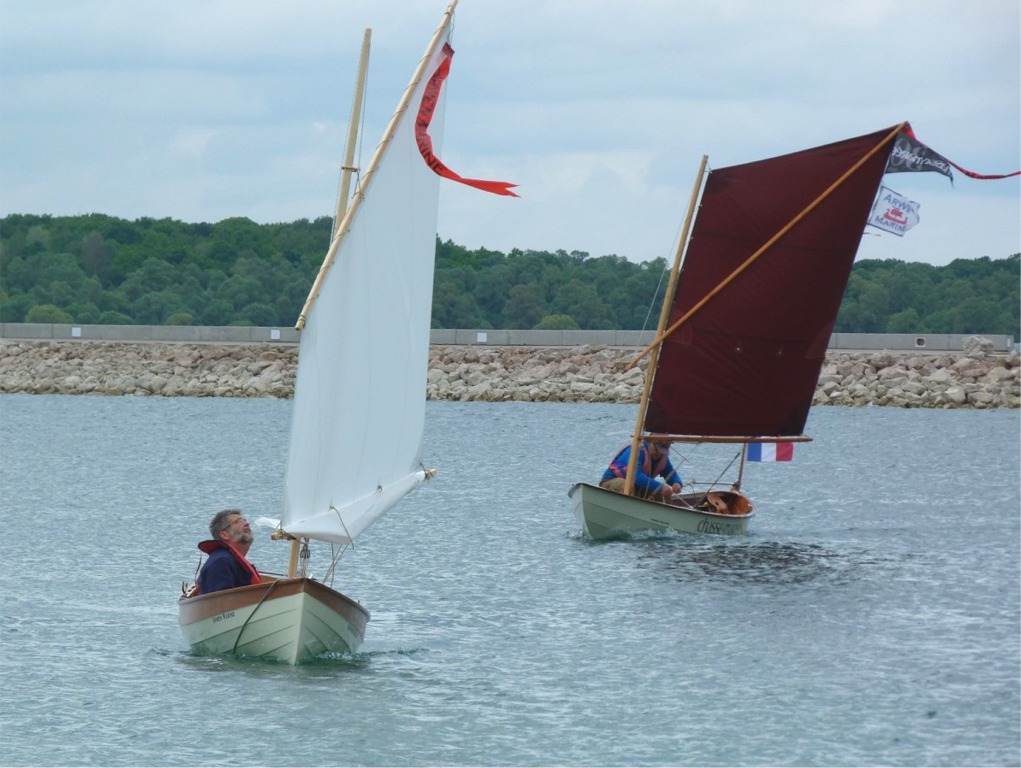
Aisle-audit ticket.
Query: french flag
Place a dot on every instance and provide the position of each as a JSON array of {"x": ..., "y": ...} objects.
[{"x": 770, "y": 451}]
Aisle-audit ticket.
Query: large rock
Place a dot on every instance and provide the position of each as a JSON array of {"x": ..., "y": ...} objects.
[{"x": 975, "y": 378}]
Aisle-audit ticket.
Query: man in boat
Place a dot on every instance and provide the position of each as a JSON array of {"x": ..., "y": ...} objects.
[
  {"x": 227, "y": 566},
  {"x": 653, "y": 462}
]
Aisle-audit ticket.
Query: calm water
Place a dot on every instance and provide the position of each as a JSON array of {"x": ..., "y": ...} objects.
[{"x": 871, "y": 617}]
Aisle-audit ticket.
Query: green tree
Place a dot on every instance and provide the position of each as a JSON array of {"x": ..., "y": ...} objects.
[
  {"x": 180, "y": 318},
  {"x": 38, "y": 239},
  {"x": 214, "y": 271},
  {"x": 493, "y": 290},
  {"x": 151, "y": 276},
  {"x": 906, "y": 321},
  {"x": 557, "y": 323},
  {"x": 874, "y": 304},
  {"x": 85, "y": 312},
  {"x": 48, "y": 313},
  {"x": 523, "y": 309},
  {"x": 96, "y": 255},
  {"x": 582, "y": 302},
  {"x": 114, "y": 318},
  {"x": 154, "y": 308},
  {"x": 975, "y": 315},
  {"x": 455, "y": 308},
  {"x": 258, "y": 314},
  {"x": 217, "y": 312},
  {"x": 14, "y": 309},
  {"x": 241, "y": 291}
]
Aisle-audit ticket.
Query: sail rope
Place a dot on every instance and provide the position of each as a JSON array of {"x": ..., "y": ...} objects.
[
  {"x": 685, "y": 460},
  {"x": 336, "y": 554},
  {"x": 678, "y": 235},
  {"x": 330, "y": 573},
  {"x": 724, "y": 471},
  {"x": 645, "y": 324},
  {"x": 255, "y": 610},
  {"x": 341, "y": 519}
]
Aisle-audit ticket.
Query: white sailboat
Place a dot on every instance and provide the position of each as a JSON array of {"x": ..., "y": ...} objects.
[{"x": 359, "y": 405}]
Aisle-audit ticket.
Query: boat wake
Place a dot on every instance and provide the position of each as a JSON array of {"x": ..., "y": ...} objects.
[{"x": 758, "y": 563}]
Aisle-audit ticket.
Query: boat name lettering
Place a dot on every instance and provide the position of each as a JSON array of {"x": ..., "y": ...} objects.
[
  {"x": 711, "y": 526},
  {"x": 222, "y": 616}
]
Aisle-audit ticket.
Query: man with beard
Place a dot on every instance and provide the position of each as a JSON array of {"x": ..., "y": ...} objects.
[{"x": 227, "y": 566}]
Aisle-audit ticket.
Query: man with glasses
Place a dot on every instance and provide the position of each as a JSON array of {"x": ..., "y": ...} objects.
[{"x": 227, "y": 566}]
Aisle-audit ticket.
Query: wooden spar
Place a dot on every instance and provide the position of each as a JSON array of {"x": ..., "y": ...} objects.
[
  {"x": 402, "y": 107},
  {"x": 345, "y": 186},
  {"x": 727, "y": 438},
  {"x": 664, "y": 315},
  {"x": 769, "y": 244},
  {"x": 352, "y": 130}
]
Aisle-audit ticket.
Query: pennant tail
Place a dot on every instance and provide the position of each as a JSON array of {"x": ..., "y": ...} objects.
[
  {"x": 425, "y": 144},
  {"x": 983, "y": 176}
]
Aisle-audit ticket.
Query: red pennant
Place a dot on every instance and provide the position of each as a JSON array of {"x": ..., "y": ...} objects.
[
  {"x": 974, "y": 175},
  {"x": 425, "y": 142}
]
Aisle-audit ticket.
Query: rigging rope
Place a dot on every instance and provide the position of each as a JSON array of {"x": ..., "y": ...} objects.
[
  {"x": 269, "y": 591},
  {"x": 645, "y": 324}
]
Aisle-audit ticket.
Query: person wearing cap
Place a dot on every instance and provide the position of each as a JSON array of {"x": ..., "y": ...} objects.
[
  {"x": 227, "y": 566},
  {"x": 653, "y": 462}
]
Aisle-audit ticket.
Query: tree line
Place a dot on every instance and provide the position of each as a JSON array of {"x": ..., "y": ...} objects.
[{"x": 98, "y": 269}]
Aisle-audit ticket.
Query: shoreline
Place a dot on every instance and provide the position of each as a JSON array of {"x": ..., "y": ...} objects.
[{"x": 974, "y": 378}]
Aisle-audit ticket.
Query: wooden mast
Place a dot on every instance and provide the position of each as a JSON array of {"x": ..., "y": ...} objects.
[
  {"x": 345, "y": 187},
  {"x": 345, "y": 225},
  {"x": 664, "y": 315},
  {"x": 352, "y": 132}
]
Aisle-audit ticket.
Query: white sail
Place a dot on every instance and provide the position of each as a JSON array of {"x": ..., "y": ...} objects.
[{"x": 359, "y": 405}]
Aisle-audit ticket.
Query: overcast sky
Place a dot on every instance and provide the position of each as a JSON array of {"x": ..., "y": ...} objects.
[{"x": 600, "y": 111}]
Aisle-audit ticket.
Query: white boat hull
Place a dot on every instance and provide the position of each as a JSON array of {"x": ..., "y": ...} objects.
[
  {"x": 605, "y": 514},
  {"x": 289, "y": 620}
]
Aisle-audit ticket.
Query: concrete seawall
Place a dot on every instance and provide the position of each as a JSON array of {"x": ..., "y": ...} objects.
[
  {"x": 976, "y": 377},
  {"x": 460, "y": 337}
]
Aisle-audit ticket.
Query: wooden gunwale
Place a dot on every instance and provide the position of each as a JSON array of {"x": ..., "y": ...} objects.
[{"x": 202, "y": 607}]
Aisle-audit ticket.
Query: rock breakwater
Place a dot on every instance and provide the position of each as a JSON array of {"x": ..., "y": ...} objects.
[{"x": 974, "y": 378}]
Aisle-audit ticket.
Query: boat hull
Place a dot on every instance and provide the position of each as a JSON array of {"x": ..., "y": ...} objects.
[
  {"x": 289, "y": 620},
  {"x": 605, "y": 514}
]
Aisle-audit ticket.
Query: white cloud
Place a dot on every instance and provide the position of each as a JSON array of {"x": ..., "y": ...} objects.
[{"x": 599, "y": 110}]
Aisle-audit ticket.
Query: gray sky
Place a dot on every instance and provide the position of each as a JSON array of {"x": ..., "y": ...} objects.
[{"x": 600, "y": 111}]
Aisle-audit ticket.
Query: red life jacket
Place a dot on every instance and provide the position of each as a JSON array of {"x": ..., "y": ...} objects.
[{"x": 211, "y": 545}]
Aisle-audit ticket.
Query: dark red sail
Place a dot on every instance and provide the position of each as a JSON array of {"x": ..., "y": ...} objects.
[{"x": 747, "y": 362}]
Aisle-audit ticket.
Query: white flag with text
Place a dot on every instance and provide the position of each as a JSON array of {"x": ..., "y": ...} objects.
[{"x": 893, "y": 213}]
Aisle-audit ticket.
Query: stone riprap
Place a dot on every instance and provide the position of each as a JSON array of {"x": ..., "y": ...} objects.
[{"x": 974, "y": 378}]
